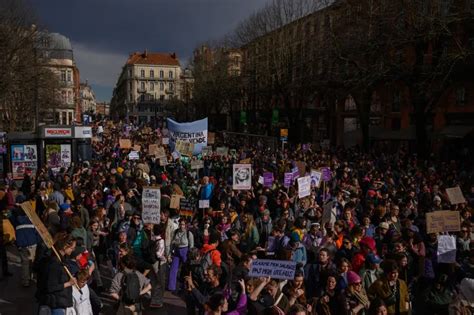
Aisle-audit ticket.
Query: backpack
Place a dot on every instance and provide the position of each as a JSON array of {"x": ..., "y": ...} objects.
[
  {"x": 206, "y": 261},
  {"x": 130, "y": 288}
]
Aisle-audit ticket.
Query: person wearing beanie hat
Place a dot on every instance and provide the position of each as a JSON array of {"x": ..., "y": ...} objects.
[
  {"x": 356, "y": 298},
  {"x": 367, "y": 246},
  {"x": 463, "y": 303}
]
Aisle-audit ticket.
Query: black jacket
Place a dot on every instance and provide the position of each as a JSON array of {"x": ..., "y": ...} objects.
[{"x": 51, "y": 279}]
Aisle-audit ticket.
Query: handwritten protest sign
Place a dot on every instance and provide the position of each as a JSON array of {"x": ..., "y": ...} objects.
[
  {"x": 165, "y": 141},
  {"x": 134, "y": 155},
  {"x": 304, "y": 186},
  {"x": 203, "y": 204},
  {"x": 125, "y": 144},
  {"x": 153, "y": 149},
  {"x": 211, "y": 138},
  {"x": 197, "y": 164},
  {"x": 455, "y": 195},
  {"x": 40, "y": 227},
  {"x": 443, "y": 221},
  {"x": 151, "y": 205},
  {"x": 316, "y": 178},
  {"x": 446, "y": 249},
  {"x": 276, "y": 269},
  {"x": 175, "y": 200}
]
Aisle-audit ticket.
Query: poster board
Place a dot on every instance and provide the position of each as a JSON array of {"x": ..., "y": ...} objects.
[
  {"x": 186, "y": 207},
  {"x": 304, "y": 186},
  {"x": 455, "y": 195},
  {"x": 185, "y": 148},
  {"x": 165, "y": 141},
  {"x": 268, "y": 179},
  {"x": 153, "y": 149},
  {"x": 197, "y": 164},
  {"x": 203, "y": 204},
  {"x": 222, "y": 151},
  {"x": 40, "y": 227},
  {"x": 125, "y": 144},
  {"x": 151, "y": 205},
  {"x": 276, "y": 269},
  {"x": 316, "y": 177},
  {"x": 133, "y": 155},
  {"x": 242, "y": 177},
  {"x": 23, "y": 157},
  {"x": 443, "y": 221},
  {"x": 175, "y": 201},
  {"x": 446, "y": 251},
  {"x": 163, "y": 161},
  {"x": 58, "y": 155},
  {"x": 288, "y": 180}
]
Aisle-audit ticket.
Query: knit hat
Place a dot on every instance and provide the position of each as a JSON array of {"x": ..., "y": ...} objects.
[
  {"x": 353, "y": 277},
  {"x": 369, "y": 242}
]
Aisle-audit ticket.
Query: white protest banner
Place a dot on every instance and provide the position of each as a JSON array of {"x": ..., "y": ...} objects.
[
  {"x": 203, "y": 204},
  {"x": 316, "y": 178},
  {"x": 242, "y": 177},
  {"x": 276, "y": 269},
  {"x": 304, "y": 186},
  {"x": 194, "y": 133},
  {"x": 134, "y": 155},
  {"x": 197, "y": 164},
  {"x": 455, "y": 195},
  {"x": 446, "y": 249},
  {"x": 151, "y": 205}
]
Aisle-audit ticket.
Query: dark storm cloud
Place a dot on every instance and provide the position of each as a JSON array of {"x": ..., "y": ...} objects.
[{"x": 104, "y": 32}]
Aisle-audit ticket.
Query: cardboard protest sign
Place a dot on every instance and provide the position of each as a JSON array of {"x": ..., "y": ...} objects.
[
  {"x": 267, "y": 179},
  {"x": 185, "y": 148},
  {"x": 288, "y": 179},
  {"x": 197, "y": 164},
  {"x": 211, "y": 138},
  {"x": 446, "y": 249},
  {"x": 304, "y": 186},
  {"x": 443, "y": 221},
  {"x": 39, "y": 226},
  {"x": 206, "y": 151},
  {"x": 276, "y": 269},
  {"x": 222, "y": 151},
  {"x": 134, "y": 155},
  {"x": 152, "y": 149},
  {"x": 455, "y": 195},
  {"x": 316, "y": 178},
  {"x": 151, "y": 205},
  {"x": 242, "y": 177},
  {"x": 301, "y": 168},
  {"x": 163, "y": 161},
  {"x": 137, "y": 147},
  {"x": 175, "y": 201},
  {"x": 203, "y": 204},
  {"x": 125, "y": 144}
]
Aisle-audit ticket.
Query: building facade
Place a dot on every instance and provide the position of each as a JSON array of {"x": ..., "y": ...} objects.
[
  {"x": 57, "y": 55},
  {"x": 148, "y": 82},
  {"x": 87, "y": 98}
]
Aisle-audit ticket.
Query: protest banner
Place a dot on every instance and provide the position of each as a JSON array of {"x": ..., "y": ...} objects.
[
  {"x": 134, "y": 155},
  {"x": 36, "y": 221},
  {"x": 326, "y": 174},
  {"x": 175, "y": 201},
  {"x": 287, "y": 180},
  {"x": 211, "y": 138},
  {"x": 125, "y": 144},
  {"x": 197, "y": 164},
  {"x": 242, "y": 177},
  {"x": 206, "y": 151},
  {"x": 222, "y": 151},
  {"x": 301, "y": 168},
  {"x": 304, "y": 186},
  {"x": 185, "y": 148},
  {"x": 276, "y": 269},
  {"x": 316, "y": 178},
  {"x": 203, "y": 204},
  {"x": 443, "y": 221},
  {"x": 446, "y": 249},
  {"x": 455, "y": 195},
  {"x": 151, "y": 205},
  {"x": 267, "y": 179},
  {"x": 194, "y": 133}
]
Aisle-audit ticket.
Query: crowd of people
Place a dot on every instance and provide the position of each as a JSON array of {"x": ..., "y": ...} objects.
[{"x": 371, "y": 255}]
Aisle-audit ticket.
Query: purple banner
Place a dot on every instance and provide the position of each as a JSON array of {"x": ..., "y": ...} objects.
[
  {"x": 267, "y": 179},
  {"x": 288, "y": 179},
  {"x": 326, "y": 174}
]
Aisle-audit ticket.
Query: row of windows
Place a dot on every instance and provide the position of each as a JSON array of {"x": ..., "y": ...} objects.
[
  {"x": 66, "y": 75},
  {"x": 152, "y": 74},
  {"x": 152, "y": 86}
]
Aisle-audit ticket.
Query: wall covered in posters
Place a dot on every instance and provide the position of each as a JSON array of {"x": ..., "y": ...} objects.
[
  {"x": 58, "y": 155},
  {"x": 23, "y": 157}
]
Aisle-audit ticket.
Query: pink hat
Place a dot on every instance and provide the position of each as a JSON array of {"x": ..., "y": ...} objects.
[
  {"x": 369, "y": 242},
  {"x": 353, "y": 277}
]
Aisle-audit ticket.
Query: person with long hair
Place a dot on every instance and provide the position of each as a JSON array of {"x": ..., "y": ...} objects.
[
  {"x": 250, "y": 238},
  {"x": 218, "y": 303},
  {"x": 357, "y": 302},
  {"x": 54, "y": 285}
]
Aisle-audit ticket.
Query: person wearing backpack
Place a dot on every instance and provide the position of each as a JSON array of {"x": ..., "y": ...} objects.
[
  {"x": 182, "y": 240},
  {"x": 128, "y": 286}
]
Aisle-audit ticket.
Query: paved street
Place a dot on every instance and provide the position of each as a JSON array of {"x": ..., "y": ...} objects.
[{"x": 16, "y": 300}]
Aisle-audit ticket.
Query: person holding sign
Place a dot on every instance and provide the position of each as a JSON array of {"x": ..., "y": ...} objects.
[{"x": 54, "y": 285}]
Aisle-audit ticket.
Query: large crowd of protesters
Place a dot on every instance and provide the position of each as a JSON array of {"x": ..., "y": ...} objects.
[{"x": 373, "y": 257}]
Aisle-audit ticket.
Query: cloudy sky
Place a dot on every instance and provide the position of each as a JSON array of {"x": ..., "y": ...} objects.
[{"x": 105, "y": 32}]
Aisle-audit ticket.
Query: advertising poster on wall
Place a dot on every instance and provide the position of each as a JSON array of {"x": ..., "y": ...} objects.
[
  {"x": 58, "y": 155},
  {"x": 23, "y": 157}
]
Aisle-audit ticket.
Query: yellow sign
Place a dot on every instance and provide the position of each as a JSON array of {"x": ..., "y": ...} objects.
[{"x": 284, "y": 133}]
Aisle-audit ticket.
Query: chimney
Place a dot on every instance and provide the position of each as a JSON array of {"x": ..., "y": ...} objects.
[
  {"x": 145, "y": 53},
  {"x": 173, "y": 55}
]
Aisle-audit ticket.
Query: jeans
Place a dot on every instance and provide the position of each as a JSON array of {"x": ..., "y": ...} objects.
[
  {"x": 158, "y": 282},
  {"x": 27, "y": 256},
  {"x": 58, "y": 311},
  {"x": 180, "y": 256}
]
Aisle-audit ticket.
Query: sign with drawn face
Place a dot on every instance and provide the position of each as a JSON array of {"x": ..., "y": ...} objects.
[{"x": 242, "y": 176}]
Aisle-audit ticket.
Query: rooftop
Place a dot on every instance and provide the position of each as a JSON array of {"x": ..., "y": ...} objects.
[{"x": 151, "y": 58}]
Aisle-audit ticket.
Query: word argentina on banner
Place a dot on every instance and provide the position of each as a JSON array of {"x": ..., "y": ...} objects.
[
  {"x": 276, "y": 269},
  {"x": 151, "y": 205},
  {"x": 192, "y": 132}
]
